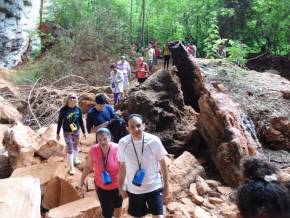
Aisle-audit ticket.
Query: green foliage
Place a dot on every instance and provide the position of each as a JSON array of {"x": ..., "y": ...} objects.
[
  {"x": 101, "y": 30},
  {"x": 237, "y": 52}
]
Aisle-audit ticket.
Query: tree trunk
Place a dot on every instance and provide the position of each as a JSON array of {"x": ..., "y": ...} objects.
[
  {"x": 131, "y": 21},
  {"x": 41, "y": 12},
  {"x": 143, "y": 23}
]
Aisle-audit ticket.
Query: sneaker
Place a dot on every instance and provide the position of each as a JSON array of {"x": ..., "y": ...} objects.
[
  {"x": 71, "y": 171},
  {"x": 77, "y": 161}
]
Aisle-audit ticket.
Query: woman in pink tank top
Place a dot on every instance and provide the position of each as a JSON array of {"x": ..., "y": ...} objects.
[{"x": 102, "y": 160}]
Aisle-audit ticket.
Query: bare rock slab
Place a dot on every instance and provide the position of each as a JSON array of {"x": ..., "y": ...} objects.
[
  {"x": 44, "y": 172},
  {"x": 83, "y": 208},
  {"x": 20, "y": 197}
]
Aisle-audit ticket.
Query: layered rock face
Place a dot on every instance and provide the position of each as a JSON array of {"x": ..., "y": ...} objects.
[{"x": 18, "y": 19}]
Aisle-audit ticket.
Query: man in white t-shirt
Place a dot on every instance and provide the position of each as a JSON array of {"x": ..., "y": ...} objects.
[{"x": 141, "y": 156}]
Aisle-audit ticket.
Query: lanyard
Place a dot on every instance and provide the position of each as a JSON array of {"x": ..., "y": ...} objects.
[
  {"x": 139, "y": 162},
  {"x": 105, "y": 159}
]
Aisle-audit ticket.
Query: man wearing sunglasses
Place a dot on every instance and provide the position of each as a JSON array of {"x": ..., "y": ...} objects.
[{"x": 141, "y": 156}]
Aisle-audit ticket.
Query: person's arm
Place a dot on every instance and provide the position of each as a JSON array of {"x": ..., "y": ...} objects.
[
  {"x": 164, "y": 172},
  {"x": 90, "y": 118},
  {"x": 146, "y": 68},
  {"x": 59, "y": 123},
  {"x": 82, "y": 122},
  {"x": 88, "y": 168},
  {"x": 122, "y": 176}
]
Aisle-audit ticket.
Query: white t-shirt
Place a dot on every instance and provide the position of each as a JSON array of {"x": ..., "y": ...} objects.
[
  {"x": 153, "y": 152},
  {"x": 150, "y": 54}
]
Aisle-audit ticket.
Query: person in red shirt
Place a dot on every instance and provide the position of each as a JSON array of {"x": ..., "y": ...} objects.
[
  {"x": 142, "y": 70},
  {"x": 102, "y": 160}
]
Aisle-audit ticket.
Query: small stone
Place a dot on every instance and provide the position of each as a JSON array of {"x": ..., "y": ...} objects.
[
  {"x": 214, "y": 200},
  {"x": 198, "y": 199},
  {"x": 214, "y": 194},
  {"x": 208, "y": 205},
  {"x": 201, "y": 186},
  {"x": 213, "y": 183},
  {"x": 201, "y": 213},
  {"x": 224, "y": 190}
]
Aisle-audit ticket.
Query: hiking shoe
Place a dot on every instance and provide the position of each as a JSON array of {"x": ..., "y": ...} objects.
[
  {"x": 77, "y": 161},
  {"x": 71, "y": 171}
]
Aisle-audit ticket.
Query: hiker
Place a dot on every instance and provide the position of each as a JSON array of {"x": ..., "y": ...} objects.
[
  {"x": 261, "y": 195},
  {"x": 166, "y": 56},
  {"x": 100, "y": 115},
  {"x": 157, "y": 55},
  {"x": 141, "y": 70},
  {"x": 141, "y": 156},
  {"x": 125, "y": 68},
  {"x": 222, "y": 51},
  {"x": 70, "y": 119},
  {"x": 150, "y": 55},
  {"x": 194, "y": 50},
  {"x": 117, "y": 80},
  {"x": 102, "y": 160}
]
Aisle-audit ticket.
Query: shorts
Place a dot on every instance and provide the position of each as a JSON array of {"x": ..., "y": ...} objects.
[
  {"x": 109, "y": 200},
  {"x": 147, "y": 203}
]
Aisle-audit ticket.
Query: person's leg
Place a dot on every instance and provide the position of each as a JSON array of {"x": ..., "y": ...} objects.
[
  {"x": 115, "y": 98},
  {"x": 106, "y": 198},
  {"x": 164, "y": 62},
  {"x": 76, "y": 142},
  {"x": 137, "y": 205},
  {"x": 118, "y": 200},
  {"x": 155, "y": 203},
  {"x": 167, "y": 62},
  {"x": 69, "y": 149}
]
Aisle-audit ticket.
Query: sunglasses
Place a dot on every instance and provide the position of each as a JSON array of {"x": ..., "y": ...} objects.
[{"x": 72, "y": 97}]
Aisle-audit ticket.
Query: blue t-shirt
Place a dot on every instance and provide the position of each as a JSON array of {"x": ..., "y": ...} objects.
[
  {"x": 96, "y": 118},
  {"x": 70, "y": 119}
]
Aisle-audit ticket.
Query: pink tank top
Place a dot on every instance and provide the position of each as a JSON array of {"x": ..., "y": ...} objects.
[{"x": 112, "y": 165}]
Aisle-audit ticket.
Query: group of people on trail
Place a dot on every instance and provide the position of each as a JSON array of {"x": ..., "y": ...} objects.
[
  {"x": 133, "y": 168},
  {"x": 129, "y": 162},
  {"x": 133, "y": 165}
]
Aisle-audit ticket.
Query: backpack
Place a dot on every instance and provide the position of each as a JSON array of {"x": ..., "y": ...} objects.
[{"x": 117, "y": 127}]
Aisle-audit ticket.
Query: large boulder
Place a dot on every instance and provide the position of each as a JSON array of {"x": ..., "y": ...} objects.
[
  {"x": 58, "y": 192},
  {"x": 229, "y": 133},
  {"x": 8, "y": 113},
  {"x": 183, "y": 171},
  {"x": 160, "y": 101},
  {"x": 48, "y": 145},
  {"x": 262, "y": 95},
  {"x": 227, "y": 130},
  {"x": 20, "y": 197},
  {"x": 44, "y": 172},
  {"x": 85, "y": 207},
  {"x": 5, "y": 168},
  {"x": 21, "y": 142}
]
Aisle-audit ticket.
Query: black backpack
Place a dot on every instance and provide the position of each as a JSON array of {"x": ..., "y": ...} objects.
[{"x": 117, "y": 127}]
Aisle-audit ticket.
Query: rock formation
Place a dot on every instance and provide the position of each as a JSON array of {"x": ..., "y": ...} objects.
[
  {"x": 228, "y": 131},
  {"x": 160, "y": 101},
  {"x": 17, "y": 19},
  {"x": 262, "y": 95},
  {"x": 20, "y": 197}
]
